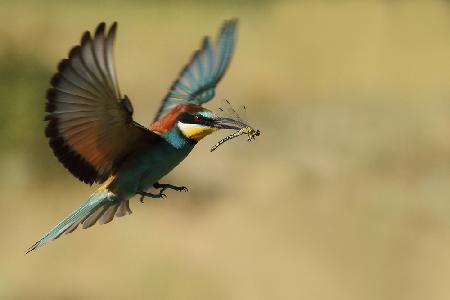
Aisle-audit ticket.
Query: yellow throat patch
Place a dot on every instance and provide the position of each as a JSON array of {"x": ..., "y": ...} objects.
[{"x": 195, "y": 131}]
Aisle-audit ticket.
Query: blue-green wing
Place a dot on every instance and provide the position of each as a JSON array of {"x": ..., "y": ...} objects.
[{"x": 197, "y": 81}]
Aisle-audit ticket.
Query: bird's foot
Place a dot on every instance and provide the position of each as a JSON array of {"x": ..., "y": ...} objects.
[
  {"x": 150, "y": 195},
  {"x": 165, "y": 186}
]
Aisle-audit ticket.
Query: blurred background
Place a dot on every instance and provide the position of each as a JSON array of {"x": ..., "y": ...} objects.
[{"x": 345, "y": 195}]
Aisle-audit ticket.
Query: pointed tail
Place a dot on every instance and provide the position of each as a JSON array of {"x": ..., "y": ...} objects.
[{"x": 101, "y": 206}]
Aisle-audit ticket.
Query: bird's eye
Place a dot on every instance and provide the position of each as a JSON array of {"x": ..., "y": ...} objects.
[{"x": 198, "y": 118}]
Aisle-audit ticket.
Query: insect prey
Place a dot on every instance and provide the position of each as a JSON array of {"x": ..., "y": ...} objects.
[{"x": 246, "y": 129}]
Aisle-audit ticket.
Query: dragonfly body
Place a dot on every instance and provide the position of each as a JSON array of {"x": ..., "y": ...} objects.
[{"x": 91, "y": 130}]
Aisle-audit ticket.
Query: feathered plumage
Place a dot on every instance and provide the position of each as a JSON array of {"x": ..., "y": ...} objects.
[
  {"x": 197, "y": 81},
  {"x": 90, "y": 127},
  {"x": 92, "y": 132}
]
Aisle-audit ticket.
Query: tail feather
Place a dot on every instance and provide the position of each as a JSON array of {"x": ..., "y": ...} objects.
[
  {"x": 93, "y": 218},
  {"x": 124, "y": 209},
  {"x": 109, "y": 214},
  {"x": 71, "y": 228},
  {"x": 102, "y": 205}
]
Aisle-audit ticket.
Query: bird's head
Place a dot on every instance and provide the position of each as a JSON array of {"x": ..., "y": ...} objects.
[
  {"x": 194, "y": 122},
  {"x": 196, "y": 125}
]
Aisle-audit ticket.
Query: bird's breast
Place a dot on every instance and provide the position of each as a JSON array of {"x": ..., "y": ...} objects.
[{"x": 147, "y": 166}]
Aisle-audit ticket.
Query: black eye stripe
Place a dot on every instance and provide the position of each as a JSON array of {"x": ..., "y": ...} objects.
[{"x": 188, "y": 118}]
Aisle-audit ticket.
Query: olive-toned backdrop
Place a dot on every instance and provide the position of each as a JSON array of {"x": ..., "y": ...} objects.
[{"x": 345, "y": 195}]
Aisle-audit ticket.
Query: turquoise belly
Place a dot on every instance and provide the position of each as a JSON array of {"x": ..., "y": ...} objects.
[{"x": 147, "y": 166}]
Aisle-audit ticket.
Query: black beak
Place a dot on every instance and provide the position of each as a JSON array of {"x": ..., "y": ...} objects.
[{"x": 228, "y": 123}]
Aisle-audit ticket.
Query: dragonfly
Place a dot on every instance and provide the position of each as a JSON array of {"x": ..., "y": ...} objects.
[{"x": 239, "y": 118}]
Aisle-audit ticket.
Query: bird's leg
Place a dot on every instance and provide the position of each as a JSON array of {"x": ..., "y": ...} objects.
[
  {"x": 145, "y": 194},
  {"x": 165, "y": 186},
  {"x": 162, "y": 187}
]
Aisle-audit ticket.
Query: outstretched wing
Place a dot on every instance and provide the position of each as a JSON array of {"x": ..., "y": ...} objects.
[
  {"x": 90, "y": 127},
  {"x": 197, "y": 81}
]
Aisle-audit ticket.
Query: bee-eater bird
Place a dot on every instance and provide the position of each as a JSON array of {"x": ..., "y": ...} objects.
[{"x": 91, "y": 129}]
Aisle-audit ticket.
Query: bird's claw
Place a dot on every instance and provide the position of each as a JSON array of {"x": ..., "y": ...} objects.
[
  {"x": 181, "y": 189},
  {"x": 161, "y": 194},
  {"x": 165, "y": 186},
  {"x": 150, "y": 195}
]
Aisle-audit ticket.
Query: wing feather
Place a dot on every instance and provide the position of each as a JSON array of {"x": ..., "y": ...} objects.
[
  {"x": 197, "y": 81},
  {"x": 90, "y": 127}
]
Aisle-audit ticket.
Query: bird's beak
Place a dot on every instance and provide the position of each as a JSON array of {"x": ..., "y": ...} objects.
[{"x": 228, "y": 123}]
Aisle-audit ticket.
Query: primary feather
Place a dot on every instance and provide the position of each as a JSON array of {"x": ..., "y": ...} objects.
[
  {"x": 197, "y": 81},
  {"x": 90, "y": 127}
]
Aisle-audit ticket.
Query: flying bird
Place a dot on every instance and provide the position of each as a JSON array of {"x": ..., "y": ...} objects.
[{"x": 91, "y": 130}]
